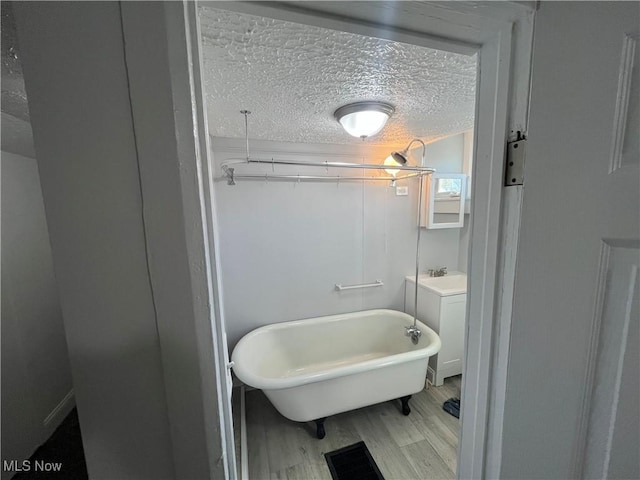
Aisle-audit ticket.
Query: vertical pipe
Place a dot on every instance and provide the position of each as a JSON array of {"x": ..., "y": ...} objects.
[
  {"x": 415, "y": 304},
  {"x": 421, "y": 179}
]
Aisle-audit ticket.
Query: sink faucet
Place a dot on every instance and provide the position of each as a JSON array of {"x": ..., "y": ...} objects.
[{"x": 438, "y": 272}]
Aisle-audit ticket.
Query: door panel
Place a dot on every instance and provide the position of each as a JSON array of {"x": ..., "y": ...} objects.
[
  {"x": 613, "y": 428},
  {"x": 627, "y": 122},
  {"x": 573, "y": 341}
]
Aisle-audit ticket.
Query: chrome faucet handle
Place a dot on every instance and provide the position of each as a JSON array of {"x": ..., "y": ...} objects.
[
  {"x": 444, "y": 270},
  {"x": 430, "y": 272}
]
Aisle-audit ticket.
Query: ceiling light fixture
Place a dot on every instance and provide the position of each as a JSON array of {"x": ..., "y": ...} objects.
[{"x": 363, "y": 119}]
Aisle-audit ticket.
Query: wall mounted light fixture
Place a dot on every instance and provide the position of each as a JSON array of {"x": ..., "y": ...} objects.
[
  {"x": 363, "y": 119},
  {"x": 402, "y": 157},
  {"x": 396, "y": 159}
]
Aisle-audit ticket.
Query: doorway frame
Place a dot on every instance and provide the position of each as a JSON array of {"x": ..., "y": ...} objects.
[{"x": 502, "y": 35}]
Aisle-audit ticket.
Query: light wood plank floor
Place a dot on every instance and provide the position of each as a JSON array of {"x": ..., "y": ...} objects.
[{"x": 422, "y": 445}]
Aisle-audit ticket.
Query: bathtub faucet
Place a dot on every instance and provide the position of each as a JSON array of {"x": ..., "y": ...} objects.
[{"x": 413, "y": 332}]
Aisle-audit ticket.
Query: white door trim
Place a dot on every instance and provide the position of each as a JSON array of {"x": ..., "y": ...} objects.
[
  {"x": 501, "y": 34},
  {"x": 174, "y": 184},
  {"x": 207, "y": 199},
  {"x": 219, "y": 330},
  {"x": 179, "y": 197}
]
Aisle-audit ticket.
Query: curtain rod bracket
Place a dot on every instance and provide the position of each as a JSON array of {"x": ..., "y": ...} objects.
[{"x": 228, "y": 171}]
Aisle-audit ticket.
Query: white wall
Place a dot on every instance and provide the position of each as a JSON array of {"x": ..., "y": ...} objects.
[
  {"x": 82, "y": 123},
  {"x": 36, "y": 377},
  {"x": 446, "y": 155},
  {"x": 113, "y": 122},
  {"x": 285, "y": 245},
  {"x": 463, "y": 246},
  {"x": 16, "y": 136}
]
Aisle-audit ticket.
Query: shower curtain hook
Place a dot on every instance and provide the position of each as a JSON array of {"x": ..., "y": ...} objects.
[{"x": 273, "y": 168}]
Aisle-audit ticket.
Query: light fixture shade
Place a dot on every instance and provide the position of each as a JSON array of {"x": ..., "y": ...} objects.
[
  {"x": 392, "y": 163},
  {"x": 363, "y": 119}
]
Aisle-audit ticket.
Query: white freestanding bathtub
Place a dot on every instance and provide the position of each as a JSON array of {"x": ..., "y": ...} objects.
[{"x": 310, "y": 369}]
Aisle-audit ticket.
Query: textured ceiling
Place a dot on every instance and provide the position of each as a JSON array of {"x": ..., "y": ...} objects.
[
  {"x": 13, "y": 97},
  {"x": 15, "y": 129},
  {"x": 292, "y": 77}
]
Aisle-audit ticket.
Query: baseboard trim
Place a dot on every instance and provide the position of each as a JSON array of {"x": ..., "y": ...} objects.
[{"x": 64, "y": 407}]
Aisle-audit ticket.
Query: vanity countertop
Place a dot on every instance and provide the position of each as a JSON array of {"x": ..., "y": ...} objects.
[{"x": 453, "y": 283}]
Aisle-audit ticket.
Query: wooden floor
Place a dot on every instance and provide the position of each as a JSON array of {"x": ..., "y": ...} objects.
[{"x": 420, "y": 446}]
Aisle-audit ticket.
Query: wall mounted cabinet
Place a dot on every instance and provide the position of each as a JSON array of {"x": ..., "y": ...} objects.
[{"x": 444, "y": 198}]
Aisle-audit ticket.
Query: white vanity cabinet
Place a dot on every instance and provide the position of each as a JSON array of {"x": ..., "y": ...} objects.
[{"x": 442, "y": 305}]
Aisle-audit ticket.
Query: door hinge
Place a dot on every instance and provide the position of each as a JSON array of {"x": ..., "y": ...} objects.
[{"x": 514, "y": 170}]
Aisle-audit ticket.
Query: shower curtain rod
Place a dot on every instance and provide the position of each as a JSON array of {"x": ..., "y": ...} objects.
[
  {"x": 411, "y": 331},
  {"x": 232, "y": 176},
  {"x": 326, "y": 164}
]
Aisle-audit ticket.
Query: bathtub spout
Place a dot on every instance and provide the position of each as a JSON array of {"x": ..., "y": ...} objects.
[{"x": 413, "y": 332}]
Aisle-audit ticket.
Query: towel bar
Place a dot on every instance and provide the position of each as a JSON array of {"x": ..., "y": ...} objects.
[{"x": 340, "y": 287}]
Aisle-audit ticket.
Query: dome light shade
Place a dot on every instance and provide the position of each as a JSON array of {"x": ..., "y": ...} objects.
[
  {"x": 363, "y": 119},
  {"x": 392, "y": 163}
]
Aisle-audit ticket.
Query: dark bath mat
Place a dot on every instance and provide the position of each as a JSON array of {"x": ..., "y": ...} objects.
[
  {"x": 63, "y": 448},
  {"x": 353, "y": 463},
  {"x": 452, "y": 406}
]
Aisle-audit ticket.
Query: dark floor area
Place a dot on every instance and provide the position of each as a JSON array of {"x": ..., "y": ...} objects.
[{"x": 64, "y": 447}]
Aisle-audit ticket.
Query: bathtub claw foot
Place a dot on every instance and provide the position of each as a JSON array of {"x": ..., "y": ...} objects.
[
  {"x": 320, "y": 433},
  {"x": 406, "y": 410}
]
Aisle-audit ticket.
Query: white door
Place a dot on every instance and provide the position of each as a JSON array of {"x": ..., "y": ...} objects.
[{"x": 572, "y": 406}]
